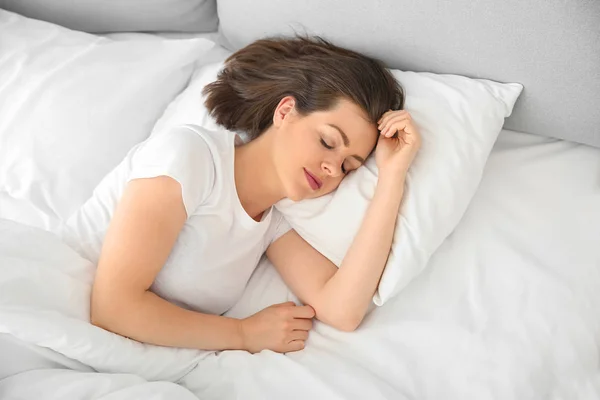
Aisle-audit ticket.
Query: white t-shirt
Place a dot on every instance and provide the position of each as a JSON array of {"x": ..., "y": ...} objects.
[{"x": 220, "y": 244}]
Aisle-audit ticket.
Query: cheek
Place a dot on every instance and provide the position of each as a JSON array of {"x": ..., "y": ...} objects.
[
  {"x": 290, "y": 157},
  {"x": 288, "y": 145},
  {"x": 305, "y": 149}
]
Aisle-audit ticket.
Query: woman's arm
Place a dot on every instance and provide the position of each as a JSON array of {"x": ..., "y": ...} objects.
[
  {"x": 140, "y": 237},
  {"x": 342, "y": 296},
  {"x": 141, "y": 234}
]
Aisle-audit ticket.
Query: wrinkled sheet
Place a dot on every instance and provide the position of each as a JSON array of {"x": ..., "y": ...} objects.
[
  {"x": 45, "y": 290},
  {"x": 508, "y": 308},
  {"x": 61, "y": 384}
]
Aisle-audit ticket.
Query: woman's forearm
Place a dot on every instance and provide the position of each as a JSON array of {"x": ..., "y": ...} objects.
[
  {"x": 350, "y": 290},
  {"x": 150, "y": 319}
]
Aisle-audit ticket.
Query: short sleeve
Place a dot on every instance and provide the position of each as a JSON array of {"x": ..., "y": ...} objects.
[
  {"x": 280, "y": 225},
  {"x": 183, "y": 155}
]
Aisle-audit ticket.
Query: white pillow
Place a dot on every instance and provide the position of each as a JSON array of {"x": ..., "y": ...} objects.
[
  {"x": 72, "y": 104},
  {"x": 188, "y": 107},
  {"x": 459, "y": 119}
]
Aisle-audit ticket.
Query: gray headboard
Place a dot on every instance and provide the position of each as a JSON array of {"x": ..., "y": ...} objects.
[{"x": 552, "y": 47}]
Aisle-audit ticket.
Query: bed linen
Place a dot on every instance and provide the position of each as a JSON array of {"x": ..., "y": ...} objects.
[
  {"x": 62, "y": 384},
  {"x": 508, "y": 308},
  {"x": 72, "y": 103},
  {"x": 45, "y": 300},
  {"x": 21, "y": 209}
]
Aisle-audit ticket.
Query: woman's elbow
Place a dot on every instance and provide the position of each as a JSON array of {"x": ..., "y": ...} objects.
[
  {"x": 99, "y": 317},
  {"x": 104, "y": 314},
  {"x": 346, "y": 322}
]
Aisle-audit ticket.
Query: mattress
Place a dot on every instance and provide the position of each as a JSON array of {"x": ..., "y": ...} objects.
[{"x": 506, "y": 309}]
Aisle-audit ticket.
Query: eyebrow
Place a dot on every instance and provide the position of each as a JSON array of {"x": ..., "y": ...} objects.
[{"x": 347, "y": 142}]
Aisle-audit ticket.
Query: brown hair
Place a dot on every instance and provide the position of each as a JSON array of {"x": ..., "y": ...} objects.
[{"x": 312, "y": 70}]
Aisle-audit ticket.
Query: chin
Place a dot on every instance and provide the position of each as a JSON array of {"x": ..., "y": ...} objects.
[
  {"x": 296, "y": 192},
  {"x": 294, "y": 195}
]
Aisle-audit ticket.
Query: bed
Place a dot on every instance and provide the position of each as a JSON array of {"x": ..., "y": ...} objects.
[{"x": 507, "y": 305}]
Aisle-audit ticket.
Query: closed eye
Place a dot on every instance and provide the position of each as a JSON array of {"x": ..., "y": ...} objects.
[{"x": 326, "y": 145}]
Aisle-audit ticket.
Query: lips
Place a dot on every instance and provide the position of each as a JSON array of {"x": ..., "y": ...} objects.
[{"x": 313, "y": 181}]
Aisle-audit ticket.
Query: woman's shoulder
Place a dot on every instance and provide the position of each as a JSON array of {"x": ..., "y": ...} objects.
[
  {"x": 192, "y": 143},
  {"x": 220, "y": 138}
]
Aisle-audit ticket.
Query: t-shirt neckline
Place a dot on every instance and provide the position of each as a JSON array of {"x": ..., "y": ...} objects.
[{"x": 244, "y": 217}]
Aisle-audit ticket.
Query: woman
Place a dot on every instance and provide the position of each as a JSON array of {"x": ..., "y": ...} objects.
[{"x": 189, "y": 213}]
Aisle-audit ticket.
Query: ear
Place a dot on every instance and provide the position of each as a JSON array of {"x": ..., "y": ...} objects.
[{"x": 284, "y": 109}]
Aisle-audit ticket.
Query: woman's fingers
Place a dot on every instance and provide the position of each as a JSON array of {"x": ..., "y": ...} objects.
[
  {"x": 388, "y": 115},
  {"x": 392, "y": 123},
  {"x": 303, "y": 312},
  {"x": 297, "y": 339},
  {"x": 380, "y": 120},
  {"x": 397, "y": 124},
  {"x": 383, "y": 120},
  {"x": 295, "y": 345},
  {"x": 298, "y": 335},
  {"x": 302, "y": 324},
  {"x": 286, "y": 304}
]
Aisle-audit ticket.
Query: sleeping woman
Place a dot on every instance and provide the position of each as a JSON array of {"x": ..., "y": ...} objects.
[{"x": 189, "y": 212}]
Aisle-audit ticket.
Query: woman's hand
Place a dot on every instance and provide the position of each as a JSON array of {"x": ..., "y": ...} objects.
[
  {"x": 398, "y": 142},
  {"x": 281, "y": 327}
]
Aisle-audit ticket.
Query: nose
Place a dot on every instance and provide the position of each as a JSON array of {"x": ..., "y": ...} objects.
[{"x": 332, "y": 169}]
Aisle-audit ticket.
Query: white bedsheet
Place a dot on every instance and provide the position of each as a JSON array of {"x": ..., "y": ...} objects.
[{"x": 508, "y": 308}]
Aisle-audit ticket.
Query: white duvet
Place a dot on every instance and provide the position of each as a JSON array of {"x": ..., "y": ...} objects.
[{"x": 508, "y": 308}]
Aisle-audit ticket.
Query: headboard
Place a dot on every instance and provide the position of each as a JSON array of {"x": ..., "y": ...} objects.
[{"x": 552, "y": 47}]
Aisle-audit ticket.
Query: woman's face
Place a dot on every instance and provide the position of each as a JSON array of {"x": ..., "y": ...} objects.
[{"x": 314, "y": 153}]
